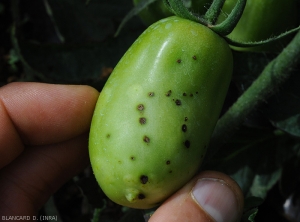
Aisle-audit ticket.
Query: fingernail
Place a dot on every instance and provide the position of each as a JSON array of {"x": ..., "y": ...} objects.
[{"x": 217, "y": 199}]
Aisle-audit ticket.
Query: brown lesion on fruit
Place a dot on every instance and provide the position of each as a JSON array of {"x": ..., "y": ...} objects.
[
  {"x": 169, "y": 93},
  {"x": 179, "y": 61},
  {"x": 186, "y": 119},
  {"x": 151, "y": 94},
  {"x": 144, "y": 179},
  {"x": 184, "y": 94},
  {"x": 168, "y": 162},
  {"x": 187, "y": 144},
  {"x": 142, "y": 120},
  {"x": 146, "y": 139},
  {"x": 191, "y": 95},
  {"x": 132, "y": 157},
  {"x": 194, "y": 57},
  {"x": 178, "y": 102},
  {"x": 140, "y": 107},
  {"x": 170, "y": 171},
  {"x": 184, "y": 128},
  {"x": 141, "y": 196},
  {"x": 197, "y": 92}
]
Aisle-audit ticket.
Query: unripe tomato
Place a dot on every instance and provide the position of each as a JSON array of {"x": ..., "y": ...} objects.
[{"x": 155, "y": 116}]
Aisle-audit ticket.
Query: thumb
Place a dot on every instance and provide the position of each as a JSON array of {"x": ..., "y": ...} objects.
[{"x": 209, "y": 196}]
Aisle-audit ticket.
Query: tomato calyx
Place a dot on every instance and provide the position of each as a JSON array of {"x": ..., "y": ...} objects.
[
  {"x": 210, "y": 17},
  {"x": 224, "y": 28}
]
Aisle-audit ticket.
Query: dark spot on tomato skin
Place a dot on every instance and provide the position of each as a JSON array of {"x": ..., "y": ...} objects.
[
  {"x": 151, "y": 94},
  {"x": 144, "y": 179},
  {"x": 140, "y": 107},
  {"x": 187, "y": 144},
  {"x": 184, "y": 128},
  {"x": 178, "y": 102},
  {"x": 195, "y": 57},
  {"x": 169, "y": 93},
  {"x": 168, "y": 162},
  {"x": 146, "y": 139},
  {"x": 178, "y": 61},
  {"x": 132, "y": 158},
  {"x": 196, "y": 92},
  {"x": 184, "y": 94},
  {"x": 141, "y": 196},
  {"x": 108, "y": 136},
  {"x": 170, "y": 171},
  {"x": 142, "y": 120},
  {"x": 191, "y": 95},
  {"x": 185, "y": 119}
]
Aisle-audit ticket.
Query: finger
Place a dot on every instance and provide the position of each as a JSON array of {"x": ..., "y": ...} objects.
[
  {"x": 210, "y": 196},
  {"x": 39, "y": 114},
  {"x": 28, "y": 182}
]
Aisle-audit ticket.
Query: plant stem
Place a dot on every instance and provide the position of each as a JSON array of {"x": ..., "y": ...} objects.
[{"x": 274, "y": 74}]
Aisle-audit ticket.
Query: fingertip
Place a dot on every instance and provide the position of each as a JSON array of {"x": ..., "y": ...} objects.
[
  {"x": 48, "y": 113},
  {"x": 209, "y": 196}
]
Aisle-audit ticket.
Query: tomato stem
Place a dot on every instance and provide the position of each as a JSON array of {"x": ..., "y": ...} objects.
[{"x": 274, "y": 74}]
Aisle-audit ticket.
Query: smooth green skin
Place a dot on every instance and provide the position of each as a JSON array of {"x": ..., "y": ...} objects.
[
  {"x": 173, "y": 54},
  {"x": 158, "y": 10},
  {"x": 261, "y": 20}
]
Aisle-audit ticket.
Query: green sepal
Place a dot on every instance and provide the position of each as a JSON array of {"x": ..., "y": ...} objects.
[
  {"x": 224, "y": 28},
  {"x": 214, "y": 11},
  {"x": 262, "y": 42},
  {"x": 178, "y": 8}
]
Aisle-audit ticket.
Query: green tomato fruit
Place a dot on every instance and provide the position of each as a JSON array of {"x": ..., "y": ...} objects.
[
  {"x": 261, "y": 20},
  {"x": 157, "y": 10},
  {"x": 156, "y": 113}
]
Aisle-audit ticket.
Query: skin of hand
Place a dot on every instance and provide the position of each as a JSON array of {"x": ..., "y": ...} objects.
[{"x": 43, "y": 144}]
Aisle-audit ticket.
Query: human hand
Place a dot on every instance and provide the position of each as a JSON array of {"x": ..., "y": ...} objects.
[{"x": 43, "y": 137}]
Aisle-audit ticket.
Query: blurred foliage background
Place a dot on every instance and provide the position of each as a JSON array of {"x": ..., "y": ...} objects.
[{"x": 72, "y": 42}]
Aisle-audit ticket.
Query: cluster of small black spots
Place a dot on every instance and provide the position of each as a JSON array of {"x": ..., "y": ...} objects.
[
  {"x": 184, "y": 128},
  {"x": 187, "y": 144},
  {"x": 195, "y": 57},
  {"x": 184, "y": 94},
  {"x": 144, "y": 179},
  {"x": 146, "y": 139},
  {"x": 169, "y": 93},
  {"x": 168, "y": 162},
  {"x": 178, "y": 102},
  {"x": 185, "y": 119},
  {"x": 142, "y": 120},
  {"x": 132, "y": 158},
  {"x": 178, "y": 61},
  {"x": 141, "y": 196},
  {"x": 151, "y": 94},
  {"x": 140, "y": 107}
]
